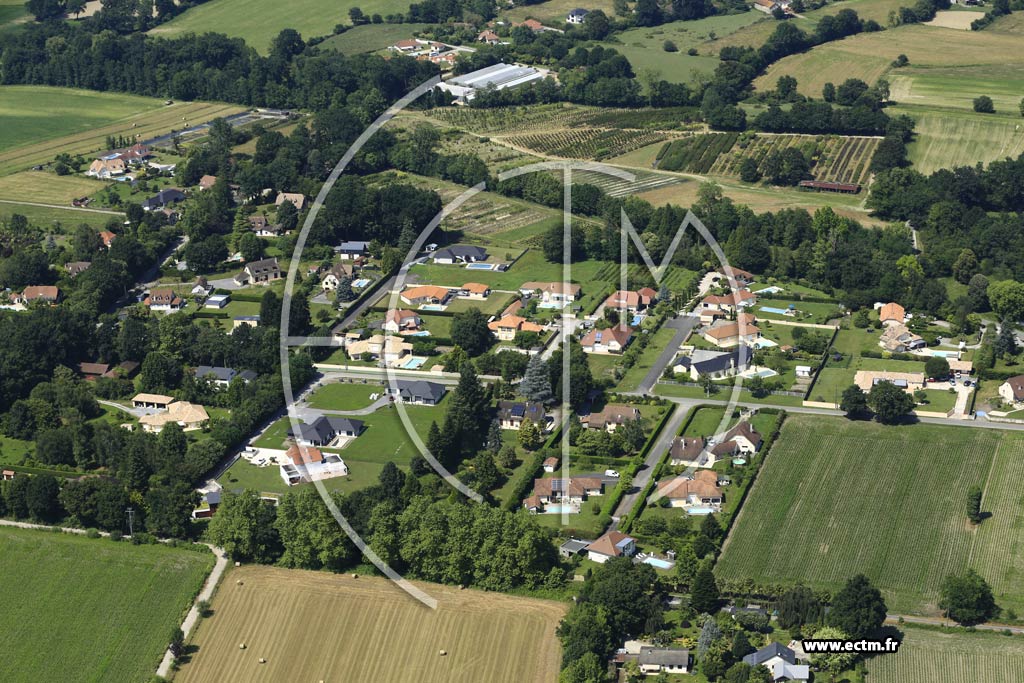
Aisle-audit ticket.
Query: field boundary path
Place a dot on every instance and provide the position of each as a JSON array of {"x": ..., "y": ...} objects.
[
  {"x": 941, "y": 621},
  {"x": 62, "y": 207},
  {"x": 193, "y": 613}
]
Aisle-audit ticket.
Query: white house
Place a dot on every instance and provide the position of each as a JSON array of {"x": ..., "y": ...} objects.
[
  {"x": 612, "y": 340},
  {"x": 803, "y": 371},
  {"x": 658, "y": 660},
  {"x": 577, "y": 16},
  {"x": 612, "y": 544},
  {"x": 1012, "y": 391},
  {"x": 780, "y": 662}
]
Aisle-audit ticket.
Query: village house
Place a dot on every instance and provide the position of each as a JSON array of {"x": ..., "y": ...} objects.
[
  {"x": 164, "y": 299},
  {"x": 908, "y": 381},
  {"x": 171, "y": 195},
  {"x": 686, "y": 450},
  {"x": 76, "y": 268},
  {"x": 388, "y": 349},
  {"x": 207, "y": 506},
  {"x": 207, "y": 181},
  {"x": 768, "y": 6},
  {"x": 7, "y": 475},
  {"x": 512, "y": 414},
  {"x": 260, "y": 225},
  {"x": 460, "y": 253},
  {"x": 560, "y": 293},
  {"x": 714, "y": 364},
  {"x": 400, "y": 321},
  {"x": 420, "y": 392},
  {"x": 259, "y": 272},
  {"x": 201, "y": 288},
  {"x": 609, "y": 419},
  {"x": 572, "y": 491},
  {"x": 39, "y": 294},
  {"x": 633, "y": 302},
  {"x": 506, "y": 327},
  {"x": 891, "y": 314},
  {"x": 335, "y": 274},
  {"x": 658, "y": 660},
  {"x": 1012, "y": 391},
  {"x": 612, "y": 340},
  {"x": 728, "y": 333},
  {"x": 474, "y": 290},
  {"x": 245, "y": 321},
  {"x": 488, "y": 36},
  {"x": 728, "y": 303},
  {"x": 747, "y": 439},
  {"x": 107, "y": 238},
  {"x": 189, "y": 416},
  {"x": 350, "y": 251},
  {"x": 107, "y": 167},
  {"x": 612, "y": 544},
  {"x": 897, "y": 338},
  {"x": 221, "y": 376},
  {"x": 306, "y": 464},
  {"x": 93, "y": 371},
  {"x": 740, "y": 278},
  {"x": 700, "y": 491},
  {"x": 325, "y": 430},
  {"x": 297, "y": 200},
  {"x": 780, "y": 662},
  {"x": 577, "y": 16},
  {"x": 426, "y": 294},
  {"x": 157, "y": 401}
]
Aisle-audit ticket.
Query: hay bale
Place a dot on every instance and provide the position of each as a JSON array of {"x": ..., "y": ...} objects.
[
  {"x": 239, "y": 583},
  {"x": 238, "y": 564},
  {"x": 262, "y": 661},
  {"x": 442, "y": 653},
  {"x": 241, "y": 646},
  {"x": 355, "y": 576}
]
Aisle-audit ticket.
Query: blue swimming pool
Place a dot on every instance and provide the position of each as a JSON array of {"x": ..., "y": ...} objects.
[
  {"x": 361, "y": 282},
  {"x": 558, "y": 509},
  {"x": 739, "y": 461},
  {"x": 421, "y": 333},
  {"x": 776, "y": 311},
  {"x": 432, "y": 307},
  {"x": 551, "y": 304},
  {"x": 659, "y": 563},
  {"x": 769, "y": 290},
  {"x": 479, "y": 266},
  {"x": 700, "y": 511},
  {"x": 763, "y": 343},
  {"x": 637, "y": 319},
  {"x": 414, "y": 363}
]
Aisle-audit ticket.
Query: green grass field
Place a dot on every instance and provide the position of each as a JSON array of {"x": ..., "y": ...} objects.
[
  {"x": 836, "y": 497},
  {"x": 344, "y": 396},
  {"x": 80, "y": 609},
  {"x": 12, "y": 14},
  {"x": 370, "y": 37},
  {"x": 928, "y": 655},
  {"x": 41, "y": 122},
  {"x": 48, "y": 217},
  {"x": 554, "y": 12},
  {"x": 47, "y": 188},
  {"x": 944, "y": 138},
  {"x": 956, "y": 87},
  {"x": 259, "y": 22},
  {"x": 1012, "y": 23}
]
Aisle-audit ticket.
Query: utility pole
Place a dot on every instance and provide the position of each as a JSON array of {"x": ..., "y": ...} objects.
[{"x": 131, "y": 520}]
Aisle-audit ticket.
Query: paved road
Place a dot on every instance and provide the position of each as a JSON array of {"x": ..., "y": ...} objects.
[
  {"x": 683, "y": 325},
  {"x": 643, "y": 476},
  {"x": 64, "y": 208}
]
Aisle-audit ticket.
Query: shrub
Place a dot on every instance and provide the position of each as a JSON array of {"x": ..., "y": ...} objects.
[
  {"x": 669, "y": 46},
  {"x": 984, "y": 105},
  {"x": 116, "y": 535}
]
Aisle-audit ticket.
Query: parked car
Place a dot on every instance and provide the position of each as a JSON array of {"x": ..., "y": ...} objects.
[{"x": 611, "y": 473}]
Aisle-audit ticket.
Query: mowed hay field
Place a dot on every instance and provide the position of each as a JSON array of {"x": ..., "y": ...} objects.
[
  {"x": 41, "y": 122},
  {"x": 312, "y": 626},
  {"x": 259, "y": 21},
  {"x": 80, "y": 609},
  {"x": 945, "y": 138},
  {"x": 926, "y": 656},
  {"x": 837, "y": 497},
  {"x": 868, "y": 56},
  {"x": 47, "y": 188}
]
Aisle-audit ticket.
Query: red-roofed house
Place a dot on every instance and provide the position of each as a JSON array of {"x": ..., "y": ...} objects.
[
  {"x": 45, "y": 294},
  {"x": 399, "y": 320},
  {"x": 633, "y": 302},
  {"x": 612, "y": 544},
  {"x": 612, "y": 340},
  {"x": 163, "y": 300}
]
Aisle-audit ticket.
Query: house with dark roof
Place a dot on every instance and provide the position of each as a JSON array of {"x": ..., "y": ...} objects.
[
  {"x": 460, "y": 253},
  {"x": 512, "y": 414},
  {"x": 1012, "y": 391},
  {"x": 746, "y": 438},
  {"x": 573, "y": 547},
  {"x": 222, "y": 376},
  {"x": 714, "y": 364},
  {"x": 419, "y": 392},
  {"x": 611, "y": 416},
  {"x": 163, "y": 198},
  {"x": 780, "y": 662},
  {"x": 259, "y": 272},
  {"x": 262, "y": 226},
  {"x": 76, "y": 268},
  {"x": 659, "y": 660},
  {"x": 572, "y": 491},
  {"x": 577, "y": 15},
  {"x": 325, "y": 429},
  {"x": 686, "y": 450},
  {"x": 163, "y": 299},
  {"x": 350, "y": 250}
]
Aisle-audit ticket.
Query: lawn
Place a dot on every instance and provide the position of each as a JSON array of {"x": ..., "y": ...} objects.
[
  {"x": 344, "y": 396},
  {"x": 709, "y": 418},
  {"x": 554, "y": 12},
  {"x": 944, "y": 138},
  {"x": 835, "y": 378},
  {"x": 259, "y": 22},
  {"x": 723, "y": 394},
  {"x": 12, "y": 13},
  {"x": 853, "y": 497},
  {"x": 91, "y": 609},
  {"x": 928, "y": 655},
  {"x": 367, "y": 629},
  {"x": 41, "y": 121},
  {"x": 956, "y": 87},
  {"x": 57, "y": 219},
  {"x": 868, "y": 56},
  {"x": 531, "y": 267},
  {"x": 661, "y": 339},
  {"x": 371, "y": 37},
  {"x": 47, "y": 188}
]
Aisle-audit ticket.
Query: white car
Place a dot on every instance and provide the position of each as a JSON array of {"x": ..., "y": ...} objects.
[{"x": 611, "y": 473}]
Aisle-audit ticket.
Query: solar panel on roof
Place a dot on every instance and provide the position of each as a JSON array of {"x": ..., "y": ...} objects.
[{"x": 518, "y": 410}]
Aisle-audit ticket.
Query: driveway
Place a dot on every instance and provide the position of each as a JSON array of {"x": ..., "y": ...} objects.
[
  {"x": 683, "y": 325},
  {"x": 643, "y": 476}
]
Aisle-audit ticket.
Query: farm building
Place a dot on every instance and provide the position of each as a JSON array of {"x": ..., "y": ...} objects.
[
  {"x": 823, "y": 186},
  {"x": 499, "y": 76}
]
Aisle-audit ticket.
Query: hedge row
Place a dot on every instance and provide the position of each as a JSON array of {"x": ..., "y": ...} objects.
[
  {"x": 526, "y": 476},
  {"x": 637, "y": 463}
]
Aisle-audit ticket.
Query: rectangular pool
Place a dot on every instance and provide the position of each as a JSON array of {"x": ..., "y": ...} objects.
[
  {"x": 421, "y": 333},
  {"x": 432, "y": 307},
  {"x": 552, "y": 304},
  {"x": 556, "y": 509},
  {"x": 413, "y": 363},
  {"x": 776, "y": 311},
  {"x": 480, "y": 266},
  {"x": 769, "y": 290},
  {"x": 700, "y": 511},
  {"x": 659, "y": 563},
  {"x": 360, "y": 283}
]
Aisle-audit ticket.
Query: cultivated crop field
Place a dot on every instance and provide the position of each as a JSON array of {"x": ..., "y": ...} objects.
[
  {"x": 552, "y": 117},
  {"x": 948, "y": 138},
  {"x": 927, "y": 655},
  {"x": 852, "y": 497},
  {"x": 312, "y": 626},
  {"x": 586, "y": 143},
  {"x": 834, "y": 158},
  {"x": 79, "y": 121},
  {"x": 80, "y": 609},
  {"x": 259, "y": 21},
  {"x": 617, "y": 187}
]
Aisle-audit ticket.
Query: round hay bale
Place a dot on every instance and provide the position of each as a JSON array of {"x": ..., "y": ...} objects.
[
  {"x": 262, "y": 661},
  {"x": 238, "y": 564},
  {"x": 241, "y": 646},
  {"x": 239, "y": 583},
  {"x": 355, "y": 576},
  {"x": 442, "y": 653}
]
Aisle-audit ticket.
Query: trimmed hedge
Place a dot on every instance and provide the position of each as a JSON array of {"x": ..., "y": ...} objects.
[
  {"x": 637, "y": 463},
  {"x": 526, "y": 476}
]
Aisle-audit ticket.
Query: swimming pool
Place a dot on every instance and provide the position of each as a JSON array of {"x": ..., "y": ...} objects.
[
  {"x": 700, "y": 511},
  {"x": 554, "y": 509},
  {"x": 777, "y": 311},
  {"x": 421, "y": 333},
  {"x": 659, "y": 563},
  {"x": 480, "y": 266},
  {"x": 763, "y": 343},
  {"x": 552, "y": 304},
  {"x": 637, "y": 319},
  {"x": 432, "y": 307},
  {"x": 413, "y": 363},
  {"x": 945, "y": 354},
  {"x": 766, "y": 373},
  {"x": 361, "y": 282},
  {"x": 769, "y": 290},
  {"x": 739, "y": 461}
]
